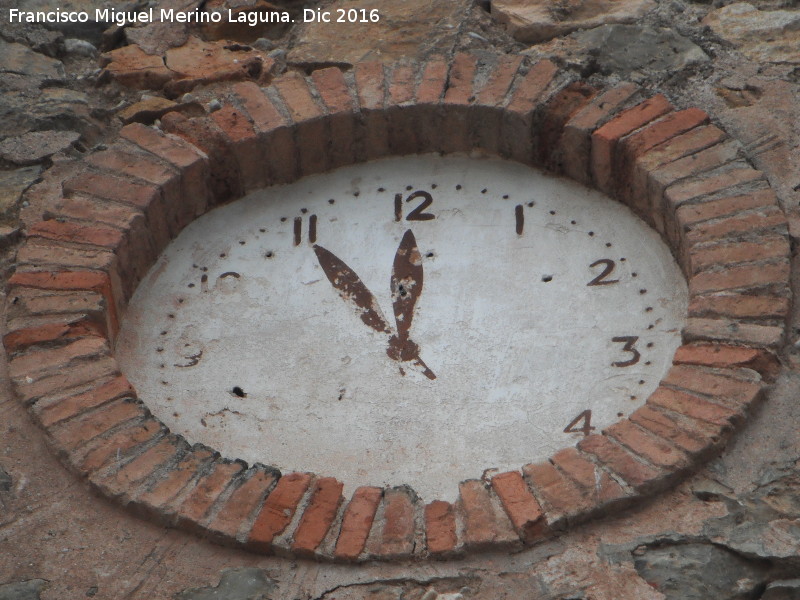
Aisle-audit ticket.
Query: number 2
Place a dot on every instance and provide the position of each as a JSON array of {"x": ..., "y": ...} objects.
[{"x": 607, "y": 270}]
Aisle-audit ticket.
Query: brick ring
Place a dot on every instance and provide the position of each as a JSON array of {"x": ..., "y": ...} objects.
[{"x": 102, "y": 231}]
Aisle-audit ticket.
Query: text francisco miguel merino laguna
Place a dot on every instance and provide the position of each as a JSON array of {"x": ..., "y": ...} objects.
[{"x": 120, "y": 18}]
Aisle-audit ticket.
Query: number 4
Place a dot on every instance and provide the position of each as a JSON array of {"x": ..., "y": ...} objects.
[{"x": 587, "y": 424}]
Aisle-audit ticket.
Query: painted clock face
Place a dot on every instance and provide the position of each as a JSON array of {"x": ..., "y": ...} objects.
[{"x": 414, "y": 320}]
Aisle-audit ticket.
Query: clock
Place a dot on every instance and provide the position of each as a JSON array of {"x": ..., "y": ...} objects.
[{"x": 416, "y": 320}]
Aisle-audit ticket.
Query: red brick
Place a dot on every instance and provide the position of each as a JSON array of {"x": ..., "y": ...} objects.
[
  {"x": 562, "y": 499},
  {"x": 311, "y": 133},
  {"x": 123, "y": 482},
  {"x": 77, "y": 375},
  {"x": 44, "y": 252},
  {"x": 689, "y": 214},
  {"x": 357, "y": 522},
  {"x": 709, "y": 184},
  {"x": 728, "y": 383},
  {"x": 244, "y": 144},
  {"x": 155, "y": 500},
  {"x": 691, "y": 439},
  {"x": 225, "y": 179},
  {"x": 767, "y": 219},
  {"x": 432, "y": 81},
  {"x": 101, "y": 452},
  {"x": 723, "y": 356},
  {"x": 370, "y": 86},
  {"x": 499, "y": 83},
  {"x": 558, "y": 111},
  {"x": 768, "y": 247},
  {"x": 460, "y": 83},
  {"x": 528, "y": 94},
  {"x": 681, "y": 147},
  {"x": 38, "y": 363},
  {"x": 70, "y": 406},
  {"x": 138, "y": 166},
  {"x": 196, "y": 504},
  {"x": 76, "y": 233},
  {"x": 520, "y": 505},
  {"x": 49, "y": 333},
  {"x": 397, "y": 535},
  {"x": 638, "y": 475},
  {"x": 596, "y": 484},
  {"x": 318, "y": 516},
  {"x": 440, "y": 528},
  {"x": 400, "y": 112},
  {"x": 277, "y": 141},
  {"x": 278, "y": 510},
  {"x": 335, "y": 94},
  {"x": 725, "y": 330},
  {"x": 774, "y": 276},
  {"x": 71, "y": 280},
  {"x": 575, "y": 144},
  {"x": 484, "y": 525},
  {"x": 692, "y": 406},
  {"x": 83, "y": 428},
  {"x": 652, "y": 449},
  {"x": 235, "y": 514},
  {"x": 605, "y": 139},
  {"x": 739, "y": 306}
]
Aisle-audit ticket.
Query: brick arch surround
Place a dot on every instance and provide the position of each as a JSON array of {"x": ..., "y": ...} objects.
[{"x": 107, "y": 225}]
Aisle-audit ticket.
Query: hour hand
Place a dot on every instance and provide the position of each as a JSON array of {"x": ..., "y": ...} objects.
[{"x": 352, "y": 289}]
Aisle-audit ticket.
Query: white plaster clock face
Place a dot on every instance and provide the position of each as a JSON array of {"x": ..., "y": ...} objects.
[{"x": 412, "y": 320}]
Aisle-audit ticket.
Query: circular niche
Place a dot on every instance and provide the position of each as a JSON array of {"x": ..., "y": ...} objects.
[{"x": 413, "y": 320}]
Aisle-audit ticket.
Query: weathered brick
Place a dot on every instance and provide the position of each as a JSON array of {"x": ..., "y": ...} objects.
[
  {"x": 738, "y": 385},
  {"x": 605, "y": 139},
  {"x": 400, "y": 112},
  {"x": 484, "y": 525},
  {"x": 91, "y": 281},
  {"x": 276, "y": 139},
  {"x": 742, "y": 224},
  {"x": 370, "y": 82},
  {"x": 723, "y": 356},
  {"x": 709, "y": 184},
  {"x": 652, "y": 449},
  {"x": 638, "y": 475},
  {"x": 597, "y": 485},
  {"x": 739, "y": 306},
  {"x": 556, "y": 113},
  {"x": 527, "y": 95},
  {"x": 768, "y": 247},
  {"x": 278, "y": 510},
  {"x": 83, "y": 428},
  {"x": 726, "y": 330},
  {"x": 433, "y": 81},
  {"x": 458, "y": 98},
  {"x": 123, "y": 482},
  {"x": 575, "y": 145},
  {"x": 70, "y": 406},
  {"x": 194, "y": 506},
  {"x": 357, "y": 522},
  {"x": 335, "y": 93},
  {"x": 224, "y": 178},
  {"x": 245, "y": 145},
  {"x": 440, "y": 528},
  {"x": 772, "y": 277},
  {"x": 46, "y": 334},
  {"x": 689, "y": 214},
  {"x": 397, "y": 533},
  {"x": 563, "y": 501},
  {"x": 189, "y": 160},
  {"x": 154, "y": 500},
  {"x": 502, "y": 75},
  {"x": 101, "y": 452},
  {"x": 311, "y": 133},
  {"x": 105, "y": 237},
  {"x": 693, "y": 406},
  {"x": 233, "y": 518},
  {"x": 77, "y": 375},
  {"x": 318, "y": 516},
  {"x": 38, "y": 363},
  {"x": 691, "y": 439},
  {"x": 520, "y": 505}
]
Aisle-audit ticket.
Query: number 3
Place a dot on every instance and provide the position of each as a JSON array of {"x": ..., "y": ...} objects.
[{"x": 629, "y": 341}]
